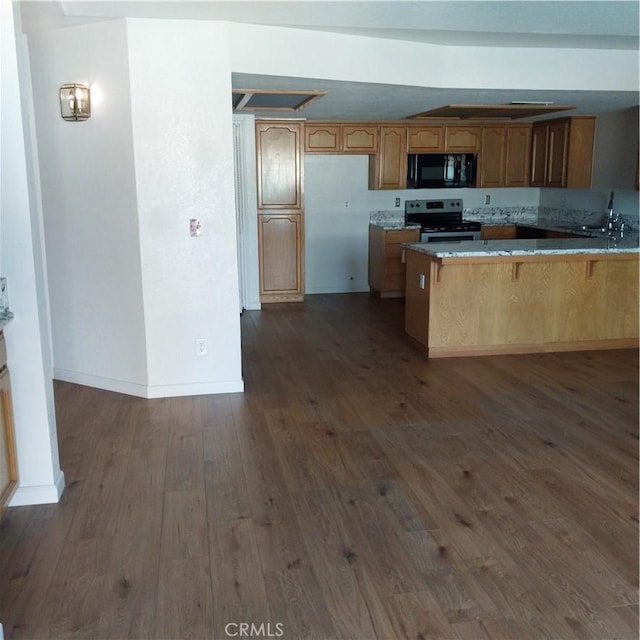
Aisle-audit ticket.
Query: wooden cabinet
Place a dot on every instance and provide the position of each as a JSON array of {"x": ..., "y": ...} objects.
[
  {"x": 504, "y": 157},
  {"x": 492, "y": 157},
  {"x": 322, "y": 138},
  {"x": 498, "y": 232},
  {"x": 388, "y": 168},
  {"x": 539, "y": 143},
  {"x": 326, "y": 137},
  {"x": 280, "y": 210},
  {"x": 557, "y": 154},
  {"x": 423, "y": 139},
  {"x": 462, "y": 139},
  {"x": 517, "y": 155},
  {"x": 562, "y": 152},
  {"x": 359, "y": 138},
  {"x": 8, "y": 456},
  {"x": 281, "y": 241},
  {"x": 386, "y": 259},
  {"x": 279, "y": 164}
]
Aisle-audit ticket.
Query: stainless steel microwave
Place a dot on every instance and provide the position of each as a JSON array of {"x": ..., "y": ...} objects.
[{"x": 441, "y": 170}]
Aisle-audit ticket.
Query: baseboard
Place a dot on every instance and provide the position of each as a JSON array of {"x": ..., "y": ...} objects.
[
  {"x": 150, "y": 391},
  {"x": 195, "y": 389},
  {"x": 100, "y": 382},
  {"x": 41, "y": 494},
  {"x": 351, "y": 288}
]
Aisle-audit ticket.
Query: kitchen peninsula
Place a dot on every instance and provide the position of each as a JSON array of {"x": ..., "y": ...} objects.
[{"x": 522, "y": 296}]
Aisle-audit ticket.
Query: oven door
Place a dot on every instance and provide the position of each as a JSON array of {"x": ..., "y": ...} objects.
[{"x": 448, "y": 236}]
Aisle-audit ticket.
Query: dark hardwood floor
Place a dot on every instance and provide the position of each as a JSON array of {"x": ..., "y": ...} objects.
[{"x": 354, "y": 491}]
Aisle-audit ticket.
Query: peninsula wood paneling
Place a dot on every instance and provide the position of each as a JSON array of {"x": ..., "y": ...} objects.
[{"x": 512, "y": 305}]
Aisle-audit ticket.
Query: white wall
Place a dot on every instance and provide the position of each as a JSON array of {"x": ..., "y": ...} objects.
[
  {"x": 182, "y": 133},
  {"x": 130, "y": 289},
  {"x": 90, "y": 210},
  {"x": 21, "y": 261}
]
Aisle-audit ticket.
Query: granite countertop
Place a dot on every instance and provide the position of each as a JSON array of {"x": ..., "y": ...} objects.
[{"x": 548, "y": 246}]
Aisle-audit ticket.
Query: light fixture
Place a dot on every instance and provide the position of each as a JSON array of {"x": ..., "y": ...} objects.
[{"x": 75, "y": 102}]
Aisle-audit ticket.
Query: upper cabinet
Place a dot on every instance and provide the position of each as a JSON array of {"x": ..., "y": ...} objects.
[
  {"x": 562, "y": 152},
  {"x": 462, "y": 138},
  {"x": 279, "y": 164},
  {"x": 517, "y": 155},
  {"x": 425, "y": 139},
  {"x": 504, "y": 155},
  {"x": 325, "y": 137},
  {"x": 322, "y": 138},
  {"x": 552, "y": 153},
  {"x": 359, "y": 138},
  {"x": 388, "y": 167}
]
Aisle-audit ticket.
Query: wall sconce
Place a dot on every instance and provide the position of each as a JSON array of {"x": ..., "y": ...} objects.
[{"x": 75, "y": 102}]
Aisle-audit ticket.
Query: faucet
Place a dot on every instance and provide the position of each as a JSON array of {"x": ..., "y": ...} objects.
[
  {"x": 610, "y": 214},
  {"x": 615, "y": 222}
]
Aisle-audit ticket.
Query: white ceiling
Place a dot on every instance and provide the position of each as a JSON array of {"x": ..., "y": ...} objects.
[{"x": 607, "y": 24}]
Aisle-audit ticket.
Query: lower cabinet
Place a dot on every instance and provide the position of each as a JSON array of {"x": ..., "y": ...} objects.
[
  {"x": 498, "y": 232},
  {"x": 8, "y": 456},
  {"x": 281, "y": 242},
  {"x": 387, "y": 269}
]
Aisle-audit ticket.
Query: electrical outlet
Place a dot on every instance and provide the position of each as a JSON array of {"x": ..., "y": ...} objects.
[
  {"x": 346, "y": 204},
  {"x": 201, "y": 346},
  {"x": 397, "y": 202},
  {"x": 487, "y": 199}
]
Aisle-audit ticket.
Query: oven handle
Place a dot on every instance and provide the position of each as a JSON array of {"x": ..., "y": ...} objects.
[{"x": 443, "y": 236}]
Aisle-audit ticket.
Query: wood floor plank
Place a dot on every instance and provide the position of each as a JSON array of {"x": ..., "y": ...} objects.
[
  {"x": 237, "y": 589},
  {"x": 130, "y": 593},
  {"x": 185, "y": 604},
  {"x": 332, "y": 552},
  {"x": 297, "y": 603}
]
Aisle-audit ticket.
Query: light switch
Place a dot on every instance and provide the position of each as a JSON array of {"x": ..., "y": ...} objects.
[
  {"x": 422, "y": 280},
  {"x": 195, "y": 228}
]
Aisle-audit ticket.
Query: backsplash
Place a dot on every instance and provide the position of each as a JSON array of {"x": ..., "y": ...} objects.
[
  {"x": 502, "y": 215},
  {"x": 550, "y": 216}
]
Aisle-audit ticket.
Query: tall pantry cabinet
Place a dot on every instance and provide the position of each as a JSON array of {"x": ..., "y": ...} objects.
[{"x": 280, "y": 210}]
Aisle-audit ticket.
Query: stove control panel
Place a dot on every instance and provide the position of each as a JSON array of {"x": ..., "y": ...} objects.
[{"x": 447, "y": 205}]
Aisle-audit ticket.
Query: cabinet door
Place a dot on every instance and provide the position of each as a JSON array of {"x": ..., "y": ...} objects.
[
  {"x": 582, "y": 131},
  {"x": 359, "y": 139},
  {"x": 8, "y": 459},
  {"x": 463, "y": 139},
  {"x": 518, "y": 146},
  {"x": 539, "y": 143},
  {"x": 557, "y": 162},
  {"x": 280, "y": 238},
  {"x": 278, "y": 148},
  {"x": 499, "y": 232},
  {"x": 425, "y": 139},
  {"x": 388, "y": 169},
  {"x": 322, "y": 138},
  {"x": 492, "y": 158}
]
